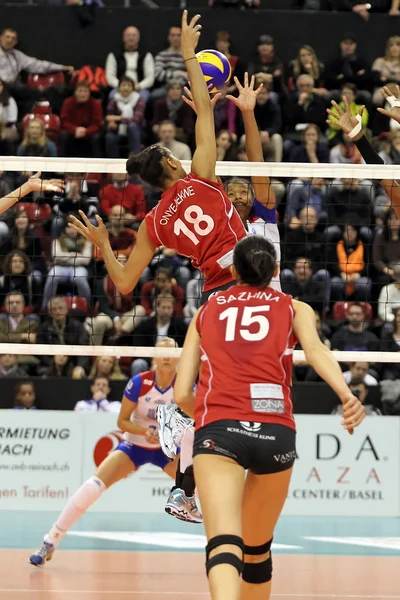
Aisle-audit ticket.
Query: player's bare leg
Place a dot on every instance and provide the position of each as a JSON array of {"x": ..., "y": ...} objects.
[
  {"x": 220, "y": 484},
  {"x": 263, "y": 500}
]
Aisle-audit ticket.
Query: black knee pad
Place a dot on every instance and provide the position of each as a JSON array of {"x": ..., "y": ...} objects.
[
  {"x": 258, "y": 572},
  {"x": 224, "y": 557}
]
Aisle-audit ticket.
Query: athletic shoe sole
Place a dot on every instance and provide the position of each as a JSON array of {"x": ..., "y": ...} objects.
[
  {"x": 161, "y": 425},
  {"x": 181, "y": 515}
]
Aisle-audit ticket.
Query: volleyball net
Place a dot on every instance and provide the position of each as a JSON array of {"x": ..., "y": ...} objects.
[{"x": 339, "y": 246}]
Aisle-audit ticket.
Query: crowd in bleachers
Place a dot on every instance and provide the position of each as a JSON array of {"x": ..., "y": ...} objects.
[{"x": 340, "y": 239}]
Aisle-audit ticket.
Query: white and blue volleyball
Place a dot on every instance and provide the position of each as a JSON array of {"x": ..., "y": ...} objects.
[{"x": 216, "y": 69}]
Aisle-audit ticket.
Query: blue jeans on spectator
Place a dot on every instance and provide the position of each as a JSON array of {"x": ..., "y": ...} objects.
[
  {"x": 362, "y": 289},
  {"x": 114, "y": 139},
  {"x": 77, "y": 276}
]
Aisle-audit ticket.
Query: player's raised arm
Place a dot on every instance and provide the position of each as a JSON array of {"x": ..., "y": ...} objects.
[
  {"x": 325, "y": 364},
  {"x": 205, "y": 156},
  {"x": 246, "y": 102},
  {"x": 34, "y": 184}
]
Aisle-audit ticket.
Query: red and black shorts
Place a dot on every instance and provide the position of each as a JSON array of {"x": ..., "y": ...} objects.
[{"x": 262, "y": 448}]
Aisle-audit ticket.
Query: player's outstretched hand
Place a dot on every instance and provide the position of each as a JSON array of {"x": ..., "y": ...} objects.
[
  {"x": 188, "y": 99},
  {"x": 353, "y": 412},
  {"x": 247, "y": 94},
  {"x": 344, "y": 118},
  {"x": 45, "y": 185},
  {"x": 190, "y": 35},
  {"x": 393, "y": 99},
  {"x": 98, "y": 236}
]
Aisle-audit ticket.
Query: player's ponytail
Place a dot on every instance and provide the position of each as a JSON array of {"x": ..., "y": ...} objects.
[
  {"x": 148, "y": 165},
  {"x": 254, "y": 259}
]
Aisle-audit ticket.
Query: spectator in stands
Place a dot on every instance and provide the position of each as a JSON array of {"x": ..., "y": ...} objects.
[
  {"x": 305, "y": 286},
  {"x": 117, "y": 313},
  {"x": 225, "y": 114},
  {"x": 169, "y": 259},
  {"x": 267, "y": 67},
  {"x": 306, "y": 63},
  {"x": 345, "y": 152},
  {"x": 349, "y": 91},
  {"x": 22, "y": 237},
  {"x": 71, "y": 255},
  {"x": 302, "y": 108},
  {"x": 125, "y": 119},
  {"x": 269, "y": 120},
  {"x": 8, "y": 118},
  {"x": 9, "y": 367},
  {"x": 81, "y": 121},
  {"x": 351, "y": 279},
  {"x": 390, "y": 342},
  {"x": 154, "y": 329},
  {"x": 17, "y": 276},
  {"x": 386, "y": 69},
  {"x": 78, "y": 195},
  {"x": 61, "y": 366},
  {"x": 242, "y": 4},
  {"x": 386, "y": 249},
  {"x": 306, "y": 193},
  {"x": 169, "y": 65},
  {"x": 131, "y": 61},
  {"x": 351, "y": 197},
  {"x": 121, "y": 192},
  {"x": 355, "y": 337},
  {"x": 389, "y": 298},
  {"x": 194, "y": 289},
  {"x": 390, "y": 152},
  {"x": 226, "y": 149},
  {"x": 305, "y": 241},
  {"x": 25, "y": 396},
  {"x": 35, "y": 142},
  {"x": 173, "y": 109},
  {"x": 106, "y": 366},
  {"x": 348, "y": 67},
  {"x": 223, "y": 44},
  {"x": 358, "y": 373},
  {"x": 311, "y": 148},
  {"x": 59, "y": 328},
  {"x": 13, "y": 62},
  {"x": 16, "y": 328},
  {"x": 162, "y": 285},
  {"x": 167, "y": 134},
  {"x": 121, "y": 238},
  {"x": 100, "y": 390}
]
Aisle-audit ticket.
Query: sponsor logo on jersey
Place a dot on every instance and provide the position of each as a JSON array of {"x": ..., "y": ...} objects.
[
  {"x": 210, "y": 444},
  {"x": 148, "y": 381},
  {"x": 264, "y": 405},
  {"x": 130, "y": 384},
  {"x": 250, "y": 426},
  {"x": 148, "y": 398}
]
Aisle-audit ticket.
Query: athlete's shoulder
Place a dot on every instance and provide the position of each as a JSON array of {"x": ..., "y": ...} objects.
[
  {"x": 147, "y": 381},
  {"x": 138, "y": 385},
  {"x": 206, "y": 182}
]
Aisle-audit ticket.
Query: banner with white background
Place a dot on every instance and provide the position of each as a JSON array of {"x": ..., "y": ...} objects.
[{"x": 46, "y": 455}]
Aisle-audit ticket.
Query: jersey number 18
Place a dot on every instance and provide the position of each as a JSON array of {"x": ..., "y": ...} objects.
[{"x": 196, "y": 220}]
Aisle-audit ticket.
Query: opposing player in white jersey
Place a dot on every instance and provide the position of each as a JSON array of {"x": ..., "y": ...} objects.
[
  {"x": 140, "y": 446},
  {"x": 256, "y": 205}
]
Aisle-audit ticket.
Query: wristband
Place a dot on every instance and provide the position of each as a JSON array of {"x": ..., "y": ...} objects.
[
  {"x": 191, "y": 58},
  {"x": 357, "y": 129},
  {"x": 393, "y": 101}
]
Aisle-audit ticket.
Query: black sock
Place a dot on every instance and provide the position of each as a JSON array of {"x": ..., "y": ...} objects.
[
  {"x": 178, "y": 477},
  {"x": 189, "y": 484}
]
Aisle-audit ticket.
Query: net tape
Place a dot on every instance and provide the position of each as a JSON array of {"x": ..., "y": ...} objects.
[
  {"x": 224, "y": 169},
  {"x": 153, "y": 352}
]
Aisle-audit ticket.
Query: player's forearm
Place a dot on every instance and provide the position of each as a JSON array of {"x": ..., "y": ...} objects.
[
  {"x": 116, "y": 271},
  {"x": 253, "y": 142},
  {"x": 325, "y": 364},
  {"x": 367, "y": 152},
  {"x": 8, "y": 201},
  {"x": 201, "y": 96},
  {"x": 186, "y": 403}
]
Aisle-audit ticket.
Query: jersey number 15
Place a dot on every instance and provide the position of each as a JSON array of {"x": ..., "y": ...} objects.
[
  {"x": 248, "y": 318},
  {"x": 196, "y": 220}
]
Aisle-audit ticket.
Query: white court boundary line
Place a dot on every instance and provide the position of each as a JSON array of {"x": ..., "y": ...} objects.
[{"x": 137, "y": 592}]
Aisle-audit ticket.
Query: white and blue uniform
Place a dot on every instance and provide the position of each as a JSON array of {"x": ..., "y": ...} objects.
[
  {"x": 142, "y": 390},
  {"x": 262, "y": 221}
]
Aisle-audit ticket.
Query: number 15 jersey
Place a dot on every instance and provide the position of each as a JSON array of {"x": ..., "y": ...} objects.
[{"x": 196, "y": 219}]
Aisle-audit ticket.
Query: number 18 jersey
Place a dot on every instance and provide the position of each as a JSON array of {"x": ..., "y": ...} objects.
[{"x": 196, "y": 219}]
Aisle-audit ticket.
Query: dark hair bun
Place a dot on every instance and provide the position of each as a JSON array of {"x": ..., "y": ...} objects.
[
  {"x": 254, "y": 259},
  {"x": 133, "y": 165}
]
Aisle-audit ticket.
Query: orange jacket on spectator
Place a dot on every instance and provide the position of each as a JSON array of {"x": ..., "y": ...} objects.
[
  {"x": 131, "y": 197},
  {"x": 84, "y": 114}
]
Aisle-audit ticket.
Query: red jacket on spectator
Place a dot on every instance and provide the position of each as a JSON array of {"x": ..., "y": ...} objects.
[
  {"x": 131, "y": 197},
  {"x": 81, "y": 114},
  {"x": 148, "y": 298},
  {"x": 121, "y": 244}
]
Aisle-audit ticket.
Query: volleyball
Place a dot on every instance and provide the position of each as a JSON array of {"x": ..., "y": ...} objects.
[{"x": 216, "y": 69}]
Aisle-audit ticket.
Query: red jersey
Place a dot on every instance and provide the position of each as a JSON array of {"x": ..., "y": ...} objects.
[
  {"x": 247, "y": 345},
  {"x": 196, "y": 219}
]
